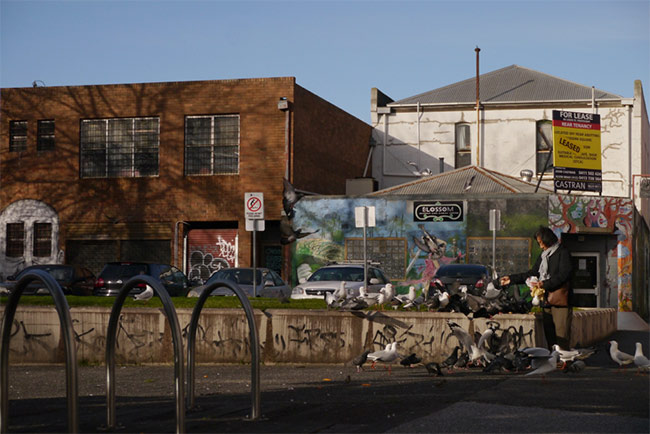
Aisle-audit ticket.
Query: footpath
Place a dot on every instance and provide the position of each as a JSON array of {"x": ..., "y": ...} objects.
[{"x": 337, "y": 398}]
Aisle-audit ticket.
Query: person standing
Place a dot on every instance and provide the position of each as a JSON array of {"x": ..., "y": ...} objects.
[{"x": 553, "y": 270}]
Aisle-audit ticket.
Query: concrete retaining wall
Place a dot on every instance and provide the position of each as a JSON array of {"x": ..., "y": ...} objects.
[{"x": 286, "y": 336}]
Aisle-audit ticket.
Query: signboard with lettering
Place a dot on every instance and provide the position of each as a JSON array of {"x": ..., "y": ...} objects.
[
  {"x": 435, "y": 211},
  {"x": 576, "y": 151}
]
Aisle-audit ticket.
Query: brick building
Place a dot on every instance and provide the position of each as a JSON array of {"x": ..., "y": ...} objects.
[{"x": 158, "y": 171}]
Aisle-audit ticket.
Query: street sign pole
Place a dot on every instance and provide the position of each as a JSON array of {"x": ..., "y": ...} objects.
[
  {"x": 254, "y": 259},
  {"x": 365, "y": 241},
  {"x": 254, "y": 210},
  {"x": 495, "y": 225}
]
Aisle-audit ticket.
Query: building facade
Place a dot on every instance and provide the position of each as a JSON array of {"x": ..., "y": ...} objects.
[
  {"x": 159, "y": 171},
  {"x": 510, "y": 131}
]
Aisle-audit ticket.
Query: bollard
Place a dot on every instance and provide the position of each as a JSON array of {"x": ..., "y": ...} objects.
[
  {"x": 254, "y": 343},
  {"x": 67, "y": 333},
  {"x": 111, "y": 337}
]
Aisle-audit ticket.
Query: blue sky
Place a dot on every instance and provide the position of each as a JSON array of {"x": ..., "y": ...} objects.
[{"x": 338, "y": 50}]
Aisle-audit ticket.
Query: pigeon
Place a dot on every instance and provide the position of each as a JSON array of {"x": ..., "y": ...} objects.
[
  {"x": 450, "y": 361},
  {"x": 642, "y": 363},
  {"x": 619, "y": 356},
  {"x": 387, "y": 356},
  {"x": 289, "y": 198},
  {"x": 288, "y": 234},
  {"x": 360, "y": 360},
  {"x": 575, "y": 367},
  {"x": 433, "y": 369},
  {"x": 410, "y": 360},
  {"x": 144, "y": 295},
  {"x": 545, "y": 364}
]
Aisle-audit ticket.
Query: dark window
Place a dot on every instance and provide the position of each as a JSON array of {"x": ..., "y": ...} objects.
[
  {"x": 15, "y": 240},
  {"x": 544, "y": 146},
  {"x": 463, "y": 146},
  {"x": 120, "y": 148},
  {"x": 42, "y": 239},
  {"x": 212, "y": 145},
  {"x": 45, "y": 135},
  {"x": 17, "y": 136}
]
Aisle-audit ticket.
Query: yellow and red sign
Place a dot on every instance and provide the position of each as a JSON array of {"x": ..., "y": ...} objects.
[{"x": 576, "y": 151}]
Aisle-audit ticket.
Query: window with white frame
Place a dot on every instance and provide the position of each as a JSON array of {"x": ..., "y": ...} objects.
[
  {"x": 15, "y": 247},
  {"x": 45, "y": 135},
  {"x": 119, "y": 147},
  {"x": 17, "y": 136},
  {"x": 543, "y": 146},
  {"x": 212, "y": 145},
  {"x": 463, "y": 145}
]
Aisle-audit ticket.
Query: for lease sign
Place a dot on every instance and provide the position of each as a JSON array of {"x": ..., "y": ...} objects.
[{"x": 576, "y": 151}]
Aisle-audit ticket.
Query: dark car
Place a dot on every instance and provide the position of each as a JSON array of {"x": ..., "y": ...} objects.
[
  {"x": 114, "y": 274},
  {"x": 452, "y": 276},
  {"x": 74, "y": 280},
  {"x": 267, "y": 282}
]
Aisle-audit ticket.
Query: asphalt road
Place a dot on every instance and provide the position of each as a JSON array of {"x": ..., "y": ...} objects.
[{"x": 335, "y": 398}]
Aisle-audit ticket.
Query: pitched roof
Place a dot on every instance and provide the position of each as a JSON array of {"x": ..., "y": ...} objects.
[
  {"x": 510, "y": 84},
  {"x": 479, "y": 180}
]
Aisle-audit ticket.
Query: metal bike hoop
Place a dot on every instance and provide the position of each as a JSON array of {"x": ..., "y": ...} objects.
[
  {"x": 111, "y": 338},
  {"x": 67, "y": 333},
  {"x": 254, "y": 344}
]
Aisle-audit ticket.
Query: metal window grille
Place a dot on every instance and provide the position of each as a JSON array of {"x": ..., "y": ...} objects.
[
  {"x": 212, "y": 145},
  {"x": 45, "y": 135},
  {"x": 15, "y": 240},
  {"x": 17, "y": 136},
  {"x": 544, "y": 129},
  {"x": 120, "y": 148},
  {"x": 42, "y": 239}
]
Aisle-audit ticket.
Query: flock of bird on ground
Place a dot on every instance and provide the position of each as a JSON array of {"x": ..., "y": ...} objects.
[
  {"x": 457, "y": 298},
  {"x": 497, "y": 350}
]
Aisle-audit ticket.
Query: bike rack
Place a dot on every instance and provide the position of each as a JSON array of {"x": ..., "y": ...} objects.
[
  {"x": 111, "y": 337},
  {"x": 67, "y": 333},
  {"x": 254, "y": 344}
]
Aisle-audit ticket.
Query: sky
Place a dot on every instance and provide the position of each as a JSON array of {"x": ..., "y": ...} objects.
[{"x": 338, "y": 50}]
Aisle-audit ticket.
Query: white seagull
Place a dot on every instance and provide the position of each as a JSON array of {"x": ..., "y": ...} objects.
[
  {"x": 387, "y": 356},
  {"x": 544, "y": 365},
  {"x": 619, "y": 356},
  {"x": 642, "y": 363},
  {"x": 144, "y": 295},
  {"x": 573, "y": 354}
]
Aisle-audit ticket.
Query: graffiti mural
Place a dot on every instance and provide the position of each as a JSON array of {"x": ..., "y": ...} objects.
[
  {"x": 613, "y": 215},
  {"x": 408, "y": 251},
  {"x": 210, "y": 250}
]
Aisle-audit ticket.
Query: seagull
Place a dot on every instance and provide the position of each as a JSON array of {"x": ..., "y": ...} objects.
[
  {"x": 387, "y": 356},
  {"x": 360, "y": 360},
  {"x": 573, "y": 355},
  {"x": 468, "y": 183},
  {"x": 144, "y": 295},
  {"x": 475, "y": 351},
  {"x": 545, "y": 364},
  {"x": 642, "y": 363},
  {"x": 288, "y": 234},
  {"x": 289, "y": 198},
  {"x": 619, "y": 356}
]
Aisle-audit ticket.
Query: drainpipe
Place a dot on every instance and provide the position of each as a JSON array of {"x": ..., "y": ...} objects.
[
  {"x": 478, "y": 126},
  {"x": 418, "y": 134},
  {"x": 175, "y": 259}
]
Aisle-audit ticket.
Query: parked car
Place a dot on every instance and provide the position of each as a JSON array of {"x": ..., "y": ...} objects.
[
  {"x": 114, "y": 274},
  {"x": 329, "y": 277},
  {"x": 74, "y": 280},
  {"x": 267, "y": 282},
  {"x": 452, "y": 276}
]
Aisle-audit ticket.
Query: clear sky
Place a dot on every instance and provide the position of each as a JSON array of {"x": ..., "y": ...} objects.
[{"x": 338, "y": 50}]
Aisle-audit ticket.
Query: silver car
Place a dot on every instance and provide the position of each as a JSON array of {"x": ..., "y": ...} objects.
[
  {"x": 328, "y": 279},
  {"x": 268, "y": 283}
]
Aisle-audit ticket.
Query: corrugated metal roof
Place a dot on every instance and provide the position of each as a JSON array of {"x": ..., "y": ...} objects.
[
  {"x": 466, "y": 180},
  {"x": 510, "y": 84}
]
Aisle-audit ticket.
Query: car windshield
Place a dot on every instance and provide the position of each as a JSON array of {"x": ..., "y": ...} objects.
[
  {"x": 241, "y": 276},
  {"x": 348, "y": 274},
  {"x": 59, "y": 273},
  {"x": 461, "y": 270},
  {"x": 120, "y": 271}
]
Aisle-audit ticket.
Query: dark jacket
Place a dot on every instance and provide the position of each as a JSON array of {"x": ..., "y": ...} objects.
[{"x": 560, "y": 269}]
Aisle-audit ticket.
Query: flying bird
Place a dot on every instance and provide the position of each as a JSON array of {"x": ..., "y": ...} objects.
[
  {"x": 288, "y": 234},
  {"x": 430, "y": 244},
  {"x": 144, "y": 295},
  {"x": 289, "y": 198},
  {"x": 468, "y": 183},
  {"x": 619, "y": 356}
]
